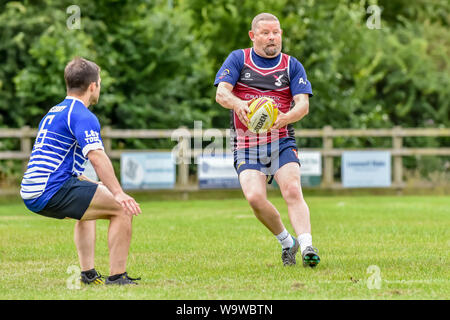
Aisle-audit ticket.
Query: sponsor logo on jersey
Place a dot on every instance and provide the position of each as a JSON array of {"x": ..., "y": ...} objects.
[
  {"x": 92, "y": 136},
  {"x": 247, "y": 77},
  {"x": 224, "y": 73},
  {"x": 278, "y": 82},
  {"x": 57, "y": 108}
]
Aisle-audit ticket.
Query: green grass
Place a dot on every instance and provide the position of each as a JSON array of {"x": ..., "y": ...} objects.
[{"x": 216, "y": 249}]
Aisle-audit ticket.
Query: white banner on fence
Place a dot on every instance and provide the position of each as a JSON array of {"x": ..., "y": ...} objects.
[
  {"x": 147, "y": 170},
  {"x": 366, "y": 169},
  {"x": 217, "y": 172},
  {"x": 311, "y": 163}
]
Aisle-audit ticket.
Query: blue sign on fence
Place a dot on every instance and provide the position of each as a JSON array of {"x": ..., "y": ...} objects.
[
  {"x": 147, "y": 170},
  {"x": 366, "y": 169},
  {"x": 217, "y": 172}
]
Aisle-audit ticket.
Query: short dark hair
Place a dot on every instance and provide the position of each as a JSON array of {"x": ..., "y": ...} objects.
[
  {"x": 80, "y": 73},
  {"x": 263, "y": 17}
]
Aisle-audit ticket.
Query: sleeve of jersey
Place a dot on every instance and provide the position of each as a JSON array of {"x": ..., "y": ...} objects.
[
  {"x": 298, "y": 79},
  {"x": 86, "y": 129},
  {"x": 231, "y": 68}
]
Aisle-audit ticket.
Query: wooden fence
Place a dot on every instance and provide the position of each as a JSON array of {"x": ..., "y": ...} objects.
[{"x": 185, "y": 153}]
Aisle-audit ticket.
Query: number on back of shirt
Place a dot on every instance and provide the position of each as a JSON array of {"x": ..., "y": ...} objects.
[{"x": 43, "y": 132}]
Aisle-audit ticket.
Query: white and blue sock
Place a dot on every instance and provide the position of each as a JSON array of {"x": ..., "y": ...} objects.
[{"x": 285, "y": 239}]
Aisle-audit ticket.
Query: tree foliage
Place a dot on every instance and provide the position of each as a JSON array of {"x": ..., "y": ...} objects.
[{"x": 159, "y": 59}]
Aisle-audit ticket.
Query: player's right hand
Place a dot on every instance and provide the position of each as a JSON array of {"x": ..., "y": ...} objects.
[
  {"x": 242, "y": 109},
  {"x": 130, "y": 205}
]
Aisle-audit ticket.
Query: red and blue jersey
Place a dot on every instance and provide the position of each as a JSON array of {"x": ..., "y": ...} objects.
[{"x": 252, "y": 76}]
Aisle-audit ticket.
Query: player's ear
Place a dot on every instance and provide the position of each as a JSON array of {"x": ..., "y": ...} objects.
[
  {"x": 251, "y": 34},
  {"x": 92, "y": 86}
]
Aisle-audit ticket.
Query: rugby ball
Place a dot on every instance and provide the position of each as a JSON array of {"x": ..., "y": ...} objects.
[{"x": 263, "y": 114}]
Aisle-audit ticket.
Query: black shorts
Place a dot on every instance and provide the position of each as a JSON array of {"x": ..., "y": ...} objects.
[{"x": 71, "y": 201}]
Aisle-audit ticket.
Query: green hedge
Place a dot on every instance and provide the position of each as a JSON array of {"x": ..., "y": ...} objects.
[{"x": 159, "y": 59}]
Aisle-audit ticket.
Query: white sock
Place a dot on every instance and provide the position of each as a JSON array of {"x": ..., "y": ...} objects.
[
  {"x": 305, "y": 240},
  {"x": 285, "y": 239}
]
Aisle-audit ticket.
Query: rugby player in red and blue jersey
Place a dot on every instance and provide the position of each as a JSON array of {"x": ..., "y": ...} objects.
[{"x": 264, "y": 70}]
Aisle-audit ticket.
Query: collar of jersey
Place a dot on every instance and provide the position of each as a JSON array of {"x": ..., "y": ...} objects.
[
  {"x": 262, "y": 58},
  {"x": 73, "y": 98}
]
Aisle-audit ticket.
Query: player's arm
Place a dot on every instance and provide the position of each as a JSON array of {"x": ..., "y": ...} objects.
[
  {"x": 301, "y": 91},
  {"x": 300, "y": 109},
  {"x": 226, "y": 98},
  {"x": 84, "y": 178},
  {"x": 105, "y": 172},
  {"x": 86, "y": 129}
]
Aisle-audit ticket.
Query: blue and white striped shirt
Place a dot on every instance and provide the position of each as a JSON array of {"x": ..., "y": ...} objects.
[{"x": 66, "y": 134}]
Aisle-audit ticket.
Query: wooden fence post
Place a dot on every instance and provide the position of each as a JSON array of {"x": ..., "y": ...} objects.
[
  {"x": 328, "y": 169},
  {"x": 397, "y": 145},
  {"x": 107, "y": 141},
  {"x": 184, "y": 157},
  {"x": 25, "y": 145}
]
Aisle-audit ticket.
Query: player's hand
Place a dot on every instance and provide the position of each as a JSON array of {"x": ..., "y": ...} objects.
[
  {"x": 242, "y": 109},
  {"x": 282, "y": 121},
  {"x": 130, "y": 206}
]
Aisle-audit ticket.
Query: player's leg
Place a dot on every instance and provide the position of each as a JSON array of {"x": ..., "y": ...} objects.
[
  {"x": 288, "y": 178},
  {"x": 70, "y": 202},
  {"x": 253, "y": 183},
  {"x": 84, "y": 236},
  {"x": 252, "y": 167},
  {"x": 104, "y": 206}
]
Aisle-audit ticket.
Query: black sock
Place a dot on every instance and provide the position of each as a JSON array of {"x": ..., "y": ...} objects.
[
  {"x": 115, "y": 277},
  {"x": 90, "y": 273}
]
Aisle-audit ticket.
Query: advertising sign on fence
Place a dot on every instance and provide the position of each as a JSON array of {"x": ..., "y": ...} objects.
[
  {"x": 366, "y": 169},
  {"x": 147, "y": 170},
  {"x": 311, "y": 168},
  {"x": 217, "y": 172}
]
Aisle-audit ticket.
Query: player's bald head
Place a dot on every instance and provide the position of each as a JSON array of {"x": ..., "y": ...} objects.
[{"x": 263, "y": 17}]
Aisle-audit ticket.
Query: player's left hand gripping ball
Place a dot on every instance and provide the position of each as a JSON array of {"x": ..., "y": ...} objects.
[{"x": 281, "y": 121}]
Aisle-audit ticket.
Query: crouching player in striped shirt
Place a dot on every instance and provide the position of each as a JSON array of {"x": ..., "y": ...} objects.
[{"x": 54, "y": 186}]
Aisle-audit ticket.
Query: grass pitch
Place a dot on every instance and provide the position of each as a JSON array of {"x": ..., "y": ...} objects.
[{"x": 371, "y": 248}]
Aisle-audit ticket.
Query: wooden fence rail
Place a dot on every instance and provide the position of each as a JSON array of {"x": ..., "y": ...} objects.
[{"x": 184, "y": 151}]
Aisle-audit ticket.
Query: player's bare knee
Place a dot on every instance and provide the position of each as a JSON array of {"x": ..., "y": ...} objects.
[
  {"x": 256, "y": 200},
  {"x": 292, "y": 192},
  {"x": 125, "y": 223},
  {"x": 120, "y": 214}
]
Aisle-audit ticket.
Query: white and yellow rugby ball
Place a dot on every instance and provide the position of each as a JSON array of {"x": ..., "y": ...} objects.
[{"x": 262, "y": 116}]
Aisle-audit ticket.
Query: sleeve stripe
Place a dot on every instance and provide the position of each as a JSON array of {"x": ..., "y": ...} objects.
[{"x": 92, "y": 146}]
